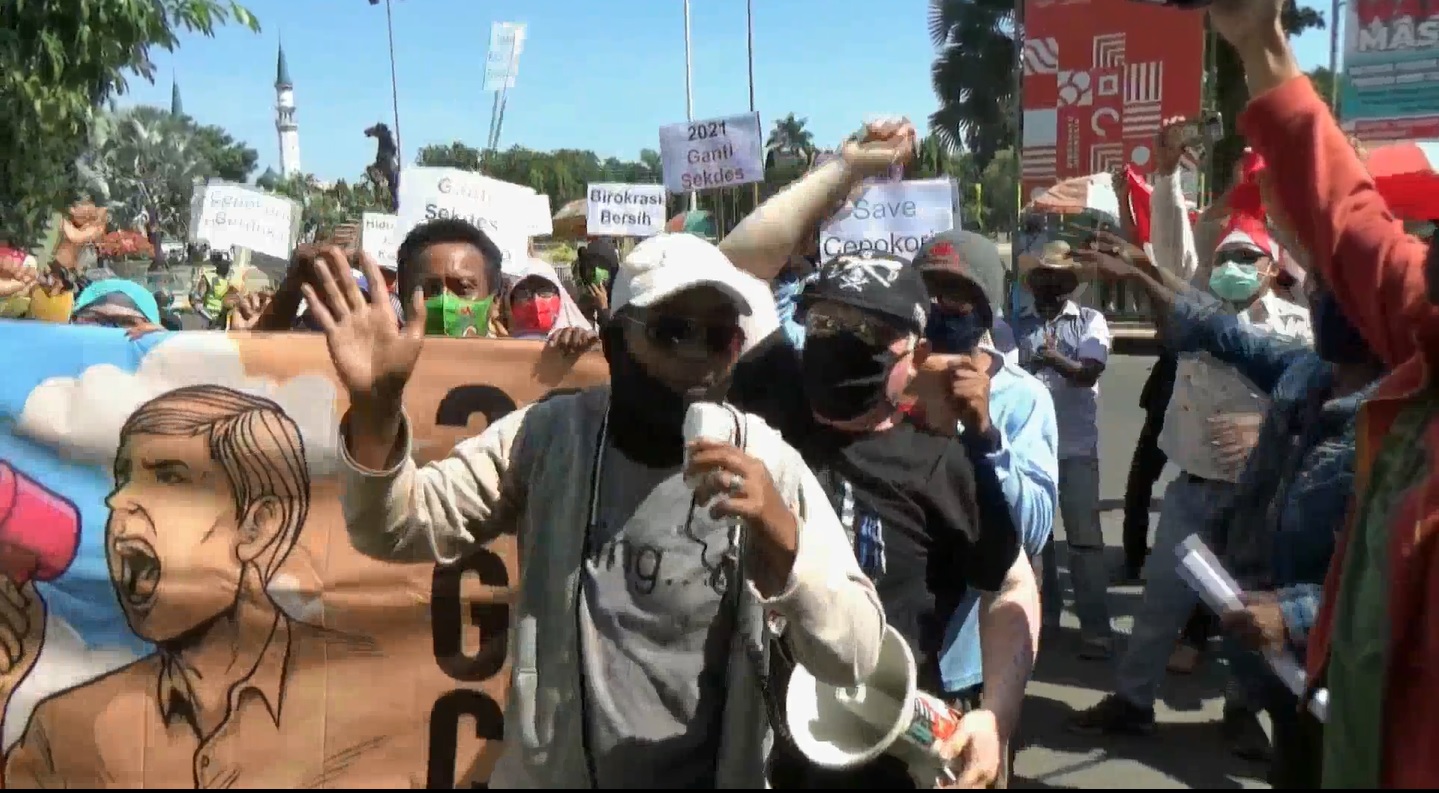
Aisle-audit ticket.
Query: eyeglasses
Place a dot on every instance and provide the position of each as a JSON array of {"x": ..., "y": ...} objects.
[{"x": 673, "y": 333}]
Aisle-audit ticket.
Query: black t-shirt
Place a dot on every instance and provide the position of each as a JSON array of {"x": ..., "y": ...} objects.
[{"x": 913, "y": 491}]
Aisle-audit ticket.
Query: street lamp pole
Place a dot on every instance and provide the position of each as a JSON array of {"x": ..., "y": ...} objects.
[
  {"x": 689, "y": 92},
  {"x": 749, "y": 34}
]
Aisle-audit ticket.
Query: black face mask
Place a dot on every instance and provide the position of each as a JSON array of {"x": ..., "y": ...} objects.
[
  {"x": 646, "y": 416},
  {"x": 1335, "y": 339},
  {"x": 954, "y": 333},
  {"x": 845, "y": 377}
]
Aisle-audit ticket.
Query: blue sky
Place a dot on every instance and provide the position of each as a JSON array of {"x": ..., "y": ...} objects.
[{"x": 596, "y": 75}]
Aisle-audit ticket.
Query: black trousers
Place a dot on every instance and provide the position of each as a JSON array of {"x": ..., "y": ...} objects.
[
  {"x": 1144, "y": 470},
  {"x": 1298, "y": 743}
]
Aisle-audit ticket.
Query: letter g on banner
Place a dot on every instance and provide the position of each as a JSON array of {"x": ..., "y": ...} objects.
[{"x": 448, "y": 611}]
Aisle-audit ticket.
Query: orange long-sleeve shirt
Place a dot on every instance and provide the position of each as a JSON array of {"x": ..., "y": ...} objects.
[{"x": 1377, "y": 273}]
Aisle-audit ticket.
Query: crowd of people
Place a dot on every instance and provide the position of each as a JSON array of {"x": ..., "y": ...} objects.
[{"x": 900, "y": 455}]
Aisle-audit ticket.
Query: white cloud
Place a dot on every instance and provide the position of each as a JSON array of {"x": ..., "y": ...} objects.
[{"x": 80, "y": 417}]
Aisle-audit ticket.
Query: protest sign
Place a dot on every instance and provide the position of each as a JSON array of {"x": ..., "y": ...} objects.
[
  {"x": 183, "y": 606},
  {"x": 721, "y": 152},
  {"x": 378, "y": 238},
  {"x": 891, "y": 217},
  {"x": 625, "y": 210},
  {"x": 498, "y": 208},
  {"x": 223, "y": 215},
  {"x": 539, "y": 222}
]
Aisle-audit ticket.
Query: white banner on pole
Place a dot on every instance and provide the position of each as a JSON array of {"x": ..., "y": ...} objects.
[
  {"x": 891, "y": 217},
  {"x": 625, "y": 210},
  {"x": 502, "y": 210},
  {"x": 502, "y": 62},
  {"x": 225, "y": 215},
  {"x": 378, "y": 237},
  {"x": 720, "y": 152}
]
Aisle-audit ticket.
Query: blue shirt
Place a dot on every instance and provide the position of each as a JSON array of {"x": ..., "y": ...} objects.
[
  {"x": 1026, "y": 465},
  {"x": 1294, "y": 492},
  {"x": 1079, "y": 334}
]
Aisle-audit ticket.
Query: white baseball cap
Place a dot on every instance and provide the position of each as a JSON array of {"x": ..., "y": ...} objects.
[{"x": 665, "y": 265}]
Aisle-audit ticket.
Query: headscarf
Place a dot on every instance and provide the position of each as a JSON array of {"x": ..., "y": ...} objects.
[
  {"x": 116, "y": 302},
  {"x": 570, "y": 315}
]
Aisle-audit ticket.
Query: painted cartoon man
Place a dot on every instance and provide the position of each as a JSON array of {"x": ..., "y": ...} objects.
[{"x": 211, "y": 493}]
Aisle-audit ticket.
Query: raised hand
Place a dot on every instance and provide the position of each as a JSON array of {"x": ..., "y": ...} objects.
[
  {"x": 373, "y": 356},
  {"x": 246, "y": 312},
  {"x": 1171, "y": 145},
  {"x": 1246, "y": 23},
  {"x": 880, "y": 146}
]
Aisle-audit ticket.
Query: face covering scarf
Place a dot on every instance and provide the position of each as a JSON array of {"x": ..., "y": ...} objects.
[
  {"x": 646, "y": 416},
  {"x": 447, "y": 314},
  {"x": 844, "y": 376},
  {"x": 952, "y": 333},
  {"x": 1235, "y": 282},
  {"x": 534, "y": 316}
]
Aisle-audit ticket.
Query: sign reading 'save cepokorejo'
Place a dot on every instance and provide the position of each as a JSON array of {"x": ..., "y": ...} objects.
[{"x": 720, "y": 152}]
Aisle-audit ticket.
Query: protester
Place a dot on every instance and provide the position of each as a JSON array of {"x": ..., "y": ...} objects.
[
  {"x": 1067, "y": 347},
  {"x": 117, "y": 303},
  {"x": 457, "y": 268},
  {"x": 595, "y": 267},
  {"x": 537, "y": 303},
  {"x": 1210, "y": 425},
  {"x": 965, "y": 278},
  {"x": 209, "y": 294},
  {"x": 1373, "y": 642},
  {"x": 858, "y": 321},
  {"x": 663, "y": 698},
  {"x": 1278, "y": 531}
]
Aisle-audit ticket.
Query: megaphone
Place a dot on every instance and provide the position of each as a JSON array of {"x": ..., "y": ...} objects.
[{"x": 838, "y": 728}]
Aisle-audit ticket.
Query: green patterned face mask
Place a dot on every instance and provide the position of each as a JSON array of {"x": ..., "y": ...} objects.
[{"x": 449, "y": 315}]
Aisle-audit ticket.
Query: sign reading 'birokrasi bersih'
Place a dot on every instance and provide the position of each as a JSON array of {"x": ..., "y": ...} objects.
[
  {"x": 720, "y": 152},
  {"x": 625, "y": 210},
  {"x": 891, "y": 217}
]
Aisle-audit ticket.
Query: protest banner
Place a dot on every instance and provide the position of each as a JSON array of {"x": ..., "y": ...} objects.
[
  {"x": 891, "y": 217},
  {"x": 182, "y": 606},
  {"x": 720, "y": 152},
  {"x": 498, "y": 208},
  {"x": 378, "y": 238},
  {"x": 539, "y": 219},
  {"x": 225, "y": 215},
  {"x": 625, "y": 210}
]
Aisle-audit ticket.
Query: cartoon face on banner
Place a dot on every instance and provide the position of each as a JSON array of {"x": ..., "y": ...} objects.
[{"x": 192, "y": 613}]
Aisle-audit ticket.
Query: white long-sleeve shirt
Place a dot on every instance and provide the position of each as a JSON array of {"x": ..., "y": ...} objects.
[{"x": 1205, "y": 388}]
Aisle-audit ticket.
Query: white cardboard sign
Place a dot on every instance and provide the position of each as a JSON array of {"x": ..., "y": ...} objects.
[
  {"x": 719, "y": 152},
  {"x": 891, "y": 217},
  {"x": 624, "y": 210},
  {"x": 378, "y": 237},
  {"x": 225, "y": 215},
  {"x": 502, "y": 210}
]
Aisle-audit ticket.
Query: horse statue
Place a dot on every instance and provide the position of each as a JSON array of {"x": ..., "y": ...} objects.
[{"x": 384, "y": 172}]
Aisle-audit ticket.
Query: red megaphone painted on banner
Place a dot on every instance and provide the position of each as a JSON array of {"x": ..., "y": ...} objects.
[{"x": 39, "y": 529}]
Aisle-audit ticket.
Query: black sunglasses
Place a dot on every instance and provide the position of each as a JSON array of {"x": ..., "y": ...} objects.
[{"x": 671, "y": 333}]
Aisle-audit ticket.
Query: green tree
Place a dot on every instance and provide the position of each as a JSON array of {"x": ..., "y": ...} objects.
[
  {"x": 789, "y": 138},
  {"x": 324, "y": 207},
  {"x": 1325, "y": 85},
  {"x": 59, "y": 63},
  {"x": 227, "y": 158},
  {"x": 973, "y": 74}
]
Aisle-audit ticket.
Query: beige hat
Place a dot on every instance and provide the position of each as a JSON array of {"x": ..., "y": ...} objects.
[{"x": 1055, "y": 256}]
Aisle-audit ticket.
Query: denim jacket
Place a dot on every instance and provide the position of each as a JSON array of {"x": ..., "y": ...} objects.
[{"x": 1278, "y": 531}]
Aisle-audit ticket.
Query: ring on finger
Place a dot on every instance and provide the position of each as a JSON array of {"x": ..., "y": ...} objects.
[{"x": 736, "y": 484}]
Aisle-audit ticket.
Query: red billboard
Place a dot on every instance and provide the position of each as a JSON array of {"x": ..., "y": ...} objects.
[{"x": 1099, "y": 77}]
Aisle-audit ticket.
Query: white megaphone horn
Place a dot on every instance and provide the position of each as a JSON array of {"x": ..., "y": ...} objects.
[{"x": 838, "y": 728}]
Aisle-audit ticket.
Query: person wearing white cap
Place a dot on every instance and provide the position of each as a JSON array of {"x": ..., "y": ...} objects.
[{"x": 647, "y": 607}]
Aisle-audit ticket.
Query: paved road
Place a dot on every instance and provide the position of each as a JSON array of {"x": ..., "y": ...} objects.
[{"x": 1186, "y": 751}]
